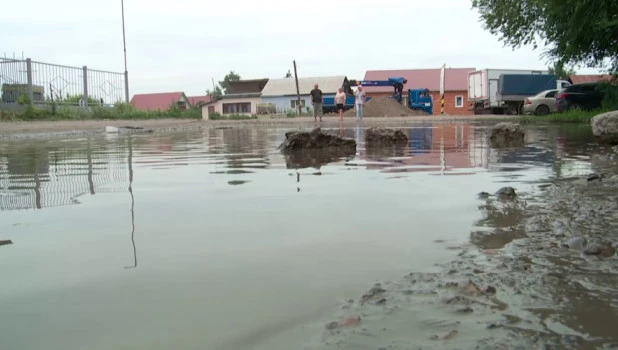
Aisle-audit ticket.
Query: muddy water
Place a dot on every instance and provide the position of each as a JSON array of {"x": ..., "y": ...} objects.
[{"x": 213, "y": 240}]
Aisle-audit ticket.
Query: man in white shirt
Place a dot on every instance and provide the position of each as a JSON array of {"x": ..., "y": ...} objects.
[{"x": 359, "y": 102}]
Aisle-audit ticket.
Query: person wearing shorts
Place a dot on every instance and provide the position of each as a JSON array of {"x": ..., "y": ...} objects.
[
  {"x": 340, "y": 101},
  {"x": 316, "y": 101}
]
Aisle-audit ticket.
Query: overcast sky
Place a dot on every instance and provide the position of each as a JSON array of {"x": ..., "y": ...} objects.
[{"x": 180, "y": 45}]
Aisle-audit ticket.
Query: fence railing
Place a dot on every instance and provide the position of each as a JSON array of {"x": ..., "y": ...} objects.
[{"x": 45, "y": 83}]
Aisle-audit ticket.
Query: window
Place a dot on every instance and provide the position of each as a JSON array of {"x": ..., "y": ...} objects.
[
  {"x": 294, "y": 103},
  {"x": 551, "y": 94},
  {"x": 237, "y": 108},
  {"x": 459, "y": 101}
]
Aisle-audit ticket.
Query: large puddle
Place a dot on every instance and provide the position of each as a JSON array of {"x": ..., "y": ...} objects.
[{"x": 210, "y": 240}]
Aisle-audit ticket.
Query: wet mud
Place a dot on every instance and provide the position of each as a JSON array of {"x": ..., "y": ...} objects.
[{"x": 539, "y": 273}]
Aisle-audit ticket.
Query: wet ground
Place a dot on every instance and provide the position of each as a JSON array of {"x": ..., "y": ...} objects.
[{"x": 211, "y": 239}]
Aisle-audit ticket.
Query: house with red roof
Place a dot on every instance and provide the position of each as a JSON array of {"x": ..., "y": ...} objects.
[
  {"x": 198, "y": 101},
  {"x": 590, "y": 78},
  {"x": 160, "y": 101},
  {"x": 455, "y": 86}
]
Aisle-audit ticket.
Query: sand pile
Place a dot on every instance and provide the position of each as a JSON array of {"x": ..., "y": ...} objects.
[{"x": 384, "y": 107}]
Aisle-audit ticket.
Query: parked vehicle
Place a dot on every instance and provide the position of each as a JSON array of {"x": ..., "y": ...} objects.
[
  {"x": 542, "y": 103},
  {"x": 500, "y": 91},
  {"x": 420, "y": 100},
  {"x": 586, "y": 96}
]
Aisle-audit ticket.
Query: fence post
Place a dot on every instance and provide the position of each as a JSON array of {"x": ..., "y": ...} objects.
[
  {"x": 29, "y": 75},
  {"x": 85, "y": 86}
]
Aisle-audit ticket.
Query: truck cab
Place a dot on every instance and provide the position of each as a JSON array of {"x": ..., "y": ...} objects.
[{"x": 420, "y": 100}]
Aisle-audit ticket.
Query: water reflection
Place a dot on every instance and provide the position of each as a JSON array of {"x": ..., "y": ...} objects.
[
  {"x": 130, "y": 162},
  {"x": 226, "y": 199}
]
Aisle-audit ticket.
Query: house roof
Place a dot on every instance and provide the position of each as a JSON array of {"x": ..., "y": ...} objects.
[
  {"x": 455, "y": 79},
  {"x": 195, "y": 100},
  {"x": 287, "y": 86},
  {"x": 247, "y": 86},
  {"x": 241, "y": 95},
  {"x": 161, "y": 101},
  {"x": 593, "y": 78}
]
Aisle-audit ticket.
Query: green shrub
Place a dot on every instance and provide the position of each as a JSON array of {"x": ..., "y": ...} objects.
[
  {"x": 219, "y": 116},
  {"x": 119, "y": 111},
  {"x": 565, "y": 117},
  {"x": 290, "y": 114}
]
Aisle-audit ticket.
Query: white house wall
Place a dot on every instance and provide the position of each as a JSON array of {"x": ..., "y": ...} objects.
[
  {"x": 218, "y": 106},
  {"x": 283, "y": 103}
]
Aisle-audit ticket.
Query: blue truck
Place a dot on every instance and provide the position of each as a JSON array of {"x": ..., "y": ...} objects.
[{"x": 418, "y": 99}]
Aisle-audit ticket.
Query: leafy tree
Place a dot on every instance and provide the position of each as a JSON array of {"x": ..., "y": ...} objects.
[
  {"x": 216, "y": 93},
  {"x": 561, "y": 72},
  {"x": 225, "y": 84},
  {"x": 576, "y": 31}
]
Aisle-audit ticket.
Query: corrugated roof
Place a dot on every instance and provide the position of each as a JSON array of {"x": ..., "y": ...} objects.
[
  {"x": 591, "y": 78},
  {"x": 455, "y": 79},
  {"x": 161, "y": 101},
  {"x": 246, "y": 86},
  {"x": 287, "y": 86}
]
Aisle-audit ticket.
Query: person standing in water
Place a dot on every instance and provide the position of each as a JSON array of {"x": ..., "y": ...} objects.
[
  {"x": 359, "y": 102},
  {"x": 340, "y": 102}
]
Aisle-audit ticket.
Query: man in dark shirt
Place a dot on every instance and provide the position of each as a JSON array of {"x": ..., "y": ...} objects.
[{"x": 316, "y": 101}]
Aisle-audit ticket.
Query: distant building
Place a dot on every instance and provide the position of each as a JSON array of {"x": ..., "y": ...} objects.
[
  {"x": 455, "y": 86},
  {"x": 242, "y": 97},
  {"x": 198, "y": 101},
  {"x": 160, "y": 101},
  {"x": 590, "y": 78},
  {"x": 281, "y": 93}
]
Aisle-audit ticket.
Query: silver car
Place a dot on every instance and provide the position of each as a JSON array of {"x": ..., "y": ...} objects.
[{"x": 542, "y": 103}]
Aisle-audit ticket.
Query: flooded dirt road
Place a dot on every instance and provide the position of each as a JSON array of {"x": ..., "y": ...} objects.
[{"x": 211, "y": 239}]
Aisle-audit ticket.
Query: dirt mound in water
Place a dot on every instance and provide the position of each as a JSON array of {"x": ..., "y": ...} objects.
[{"x": 384, "y": 107}]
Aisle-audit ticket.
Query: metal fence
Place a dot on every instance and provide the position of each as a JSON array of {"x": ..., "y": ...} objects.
[{"x": 51, "y": 83}]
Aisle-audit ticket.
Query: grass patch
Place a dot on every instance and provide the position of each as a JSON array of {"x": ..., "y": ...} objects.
[
  {"x": 218, "y": 116},
  {"x": 582, "y": 117},
  {"x": 119, "y": 111}
]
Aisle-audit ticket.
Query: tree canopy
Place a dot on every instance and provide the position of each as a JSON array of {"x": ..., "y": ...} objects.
[
  {"x": 561, "y": 72},
  {"x": 225, "y": 83},
  {"x": 580, "y": 32},
  {"x": 216, "y": 93}
]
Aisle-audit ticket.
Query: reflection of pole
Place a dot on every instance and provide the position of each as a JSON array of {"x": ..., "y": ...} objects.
[
  {"x": 89, "y": 158},
  {"x": 130, "y": 161}
]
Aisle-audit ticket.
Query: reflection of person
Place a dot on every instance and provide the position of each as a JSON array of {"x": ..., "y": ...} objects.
[
  {"x": 316, "y": 101},
  {"x": 359, "y": 102},
  {"x": 340, "y": 101}
]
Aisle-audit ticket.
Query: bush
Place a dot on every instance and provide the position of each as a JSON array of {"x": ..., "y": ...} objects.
[
  {"x": 219, "y": 116},
  {"x": 290, "y": 114},
  {"x": 119, "y": 111},
  {"x": 565, "y": 117}
]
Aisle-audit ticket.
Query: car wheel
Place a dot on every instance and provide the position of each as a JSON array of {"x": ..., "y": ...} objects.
[
  {"x": 542, "y": 110},
  {"x": 575, "y": 108}
]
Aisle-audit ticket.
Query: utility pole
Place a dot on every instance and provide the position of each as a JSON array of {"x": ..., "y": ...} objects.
[
  {"x": 298, "y": 106},
  {"x": 124, "y": 42}
]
